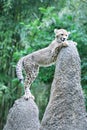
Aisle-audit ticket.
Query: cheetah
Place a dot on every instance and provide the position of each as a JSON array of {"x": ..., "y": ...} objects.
[{"x": 43, "y": 57}]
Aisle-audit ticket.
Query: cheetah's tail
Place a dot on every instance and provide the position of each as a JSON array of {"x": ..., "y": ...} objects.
[{"x": 19, "y": 68}]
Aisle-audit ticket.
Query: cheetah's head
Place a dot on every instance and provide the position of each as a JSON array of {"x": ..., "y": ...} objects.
[{"x": 61, "y": 35}]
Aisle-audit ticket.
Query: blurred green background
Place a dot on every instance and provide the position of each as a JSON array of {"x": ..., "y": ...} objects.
[{"x": 28, "y": 25}]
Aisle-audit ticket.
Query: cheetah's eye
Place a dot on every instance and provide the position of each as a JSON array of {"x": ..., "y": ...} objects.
[{"x": 62, "y": 34}]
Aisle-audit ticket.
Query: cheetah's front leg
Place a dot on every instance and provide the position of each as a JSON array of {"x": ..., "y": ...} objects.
[{"x": 58, "y": 48}]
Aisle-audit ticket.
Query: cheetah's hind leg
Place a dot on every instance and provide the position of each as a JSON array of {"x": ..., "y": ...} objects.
[
  {"x": 31, "y": 74},
  {"x": 27, "y": 84},
  {"x": 28, "y": 94}
]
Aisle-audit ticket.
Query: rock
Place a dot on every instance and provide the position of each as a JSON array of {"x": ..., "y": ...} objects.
[
  {"x": 66, "y": 108},
  {"x": 23, "y": 116}
]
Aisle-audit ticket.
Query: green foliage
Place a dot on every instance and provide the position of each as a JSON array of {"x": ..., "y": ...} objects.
[{"x": 25, "y": 28}]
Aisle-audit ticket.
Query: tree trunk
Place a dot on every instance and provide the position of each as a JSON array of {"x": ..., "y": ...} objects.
[
  {"x": 66, "y": 108},
  {"x": 23, "y": 116}
]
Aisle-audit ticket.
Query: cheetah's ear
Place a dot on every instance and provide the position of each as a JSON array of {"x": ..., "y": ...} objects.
[{"x": 55, "y": 31}]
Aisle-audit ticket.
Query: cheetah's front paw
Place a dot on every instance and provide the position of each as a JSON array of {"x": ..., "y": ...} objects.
[{"x": 65, "y": 44}]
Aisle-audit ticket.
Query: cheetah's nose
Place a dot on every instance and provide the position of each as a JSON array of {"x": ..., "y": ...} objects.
[{"x": 63, "y": 39}]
